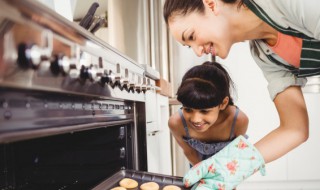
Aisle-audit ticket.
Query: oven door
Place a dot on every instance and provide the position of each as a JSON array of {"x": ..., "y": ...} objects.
[
  {"x": 64, "y": 141},
  {"x": 76, "y": 160}
]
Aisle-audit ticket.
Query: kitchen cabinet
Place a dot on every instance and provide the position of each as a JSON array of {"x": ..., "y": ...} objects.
[{"x": 158, "y": 134}]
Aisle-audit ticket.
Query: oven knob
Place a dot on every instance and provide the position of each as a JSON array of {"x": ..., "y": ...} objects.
[
  {"x": 29, "y": 56},
  {"x": 84, "y": 73},
  {"x": 104, "y": 78},
  {"x": 125, "y": 80},
  {"x": 64, "y": 63},
  {"x": 144, "y": 85},
  {"x": 54, "y": 66},
  {"x": 35, "y": 56},
  {"x": 131, "y": 83},
  {"x": 149, "y": 85},
  {"x": 109, "y": 77},
  {"x": 74, "y": 71},
  {"x": 97, "y": 74},
  {"x": 138, "y": 85},
  {"x": 118, "y": 78},
  {"x": 60, "y": 64}
]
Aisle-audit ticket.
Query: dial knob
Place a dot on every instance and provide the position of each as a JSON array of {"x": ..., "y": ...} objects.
[
  {"x": 84, "y": 73},
  {"x": 54, "y": 66},
  {"x": 30, "y": 56}
]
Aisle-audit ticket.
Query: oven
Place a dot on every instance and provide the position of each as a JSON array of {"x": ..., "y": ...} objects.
[{"x": 72, "y": 108}]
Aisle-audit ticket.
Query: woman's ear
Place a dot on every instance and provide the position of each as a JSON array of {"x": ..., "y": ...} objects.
[
  {"x": 211, "y": 4},
  {"x": 224, "y": 103}
]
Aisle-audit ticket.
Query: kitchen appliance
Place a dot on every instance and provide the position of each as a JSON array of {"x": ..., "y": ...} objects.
[{"x": 72, "y": 108}]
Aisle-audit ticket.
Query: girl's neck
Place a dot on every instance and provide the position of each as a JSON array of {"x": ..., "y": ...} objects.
[{"x": 224, "y": 114}]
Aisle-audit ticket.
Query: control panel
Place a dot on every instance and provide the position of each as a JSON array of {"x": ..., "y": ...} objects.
[{"x": 38, "y": 56}]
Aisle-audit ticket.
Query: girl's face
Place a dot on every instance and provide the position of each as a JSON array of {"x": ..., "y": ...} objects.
[
  {"x": 201, "y": 120},
  {"x": 205, "y": 33}
]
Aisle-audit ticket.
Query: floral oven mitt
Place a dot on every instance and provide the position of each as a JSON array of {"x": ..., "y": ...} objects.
[{"x": 226, "y": 169}]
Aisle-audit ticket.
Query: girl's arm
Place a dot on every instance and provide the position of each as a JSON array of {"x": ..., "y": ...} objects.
[
  {"x": 175, "y": 126},
  {"x": 241, "y": 124},
  {"x": 293, "y": 129}
]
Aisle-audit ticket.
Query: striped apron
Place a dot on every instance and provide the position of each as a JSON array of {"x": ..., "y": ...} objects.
[{"x": 310, "y": 52}]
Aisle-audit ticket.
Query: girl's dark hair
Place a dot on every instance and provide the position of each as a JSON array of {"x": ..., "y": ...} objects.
[
  {"x": 205, "y": 86},
  {"x": 184, "y": 7}
]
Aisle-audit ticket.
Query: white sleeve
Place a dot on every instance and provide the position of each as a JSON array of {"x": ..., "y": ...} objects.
[
  {"x": 278, "y": 77},
  {"x": 301, "y": 15}
]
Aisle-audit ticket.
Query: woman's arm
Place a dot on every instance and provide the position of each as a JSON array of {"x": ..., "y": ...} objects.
[{"x": 293, "y": 129}]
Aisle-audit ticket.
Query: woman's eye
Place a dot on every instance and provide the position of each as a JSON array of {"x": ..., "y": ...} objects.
[
  {"x": 189, "y": 46},
  {"x": 204, "y": 111}
]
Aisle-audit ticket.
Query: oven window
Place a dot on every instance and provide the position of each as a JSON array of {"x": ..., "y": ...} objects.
[{"x": 78, "y": 160}]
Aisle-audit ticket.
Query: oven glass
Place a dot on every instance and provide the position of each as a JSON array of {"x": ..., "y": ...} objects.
[{"x": 78, "y": 160}]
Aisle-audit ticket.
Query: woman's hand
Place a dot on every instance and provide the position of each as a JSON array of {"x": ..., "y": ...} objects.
[{"x": 228, "y": 168}]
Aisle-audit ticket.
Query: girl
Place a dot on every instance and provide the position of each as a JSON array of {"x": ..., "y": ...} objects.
[{"x": 208, "y": 119}]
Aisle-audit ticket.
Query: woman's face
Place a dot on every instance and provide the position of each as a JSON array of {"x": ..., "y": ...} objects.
[
  {"x": 205, "y": 33},
  {"x": 201, "y": 120}
]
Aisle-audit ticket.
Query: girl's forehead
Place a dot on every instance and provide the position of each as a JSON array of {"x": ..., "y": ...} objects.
[{"x": 208, "y": 109}]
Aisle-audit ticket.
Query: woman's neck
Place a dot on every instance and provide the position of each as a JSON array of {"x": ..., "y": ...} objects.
[{"x": 251, "y": 27}]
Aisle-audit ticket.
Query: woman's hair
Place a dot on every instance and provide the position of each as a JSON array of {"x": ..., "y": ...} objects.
[
  {"x": 184, "y": 7},
  {"x": 205, "y": 86}
]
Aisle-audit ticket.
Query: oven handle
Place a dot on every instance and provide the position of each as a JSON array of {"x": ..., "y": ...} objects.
[
  {"x": 24, "y": 135},
  {"x": 122, "y": 152}
]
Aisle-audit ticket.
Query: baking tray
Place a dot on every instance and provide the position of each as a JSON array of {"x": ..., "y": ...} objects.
[{"x": 141, "y": 177}]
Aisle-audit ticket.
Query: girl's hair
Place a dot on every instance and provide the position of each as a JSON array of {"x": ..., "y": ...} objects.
[
  {"x": 184, "y": 7},
  {"x": 205, "y": 86}
]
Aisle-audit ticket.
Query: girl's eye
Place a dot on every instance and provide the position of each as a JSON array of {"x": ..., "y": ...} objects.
[
  {"x": 187, "y": 110},
  {"x": 204, "y": 111},
  {"x": 189, "y": 46}
]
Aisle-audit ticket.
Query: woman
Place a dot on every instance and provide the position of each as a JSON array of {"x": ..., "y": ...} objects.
[
  {"x": 208, "y": 119},
  {"x": 284, "y": 40}
]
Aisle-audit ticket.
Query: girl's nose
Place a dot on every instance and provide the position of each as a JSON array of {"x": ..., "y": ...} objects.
[
  {"x": 198, "y": 50},
  {"x": 196, "y": 118}
]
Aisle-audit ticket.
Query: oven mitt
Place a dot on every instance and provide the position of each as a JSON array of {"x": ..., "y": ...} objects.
[
  {"x": 228, "y": 168},
  {"x": 208, "y": 184}
]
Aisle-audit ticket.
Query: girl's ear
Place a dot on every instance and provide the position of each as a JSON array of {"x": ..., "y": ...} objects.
[
  {"x": 224, "y": 103},
  {"x": 211, "y": 4}
]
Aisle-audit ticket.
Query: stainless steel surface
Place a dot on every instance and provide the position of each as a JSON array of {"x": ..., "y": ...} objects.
[
  {"x": 42, "y": 50},
  {"x": 31, "y": 114}
]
